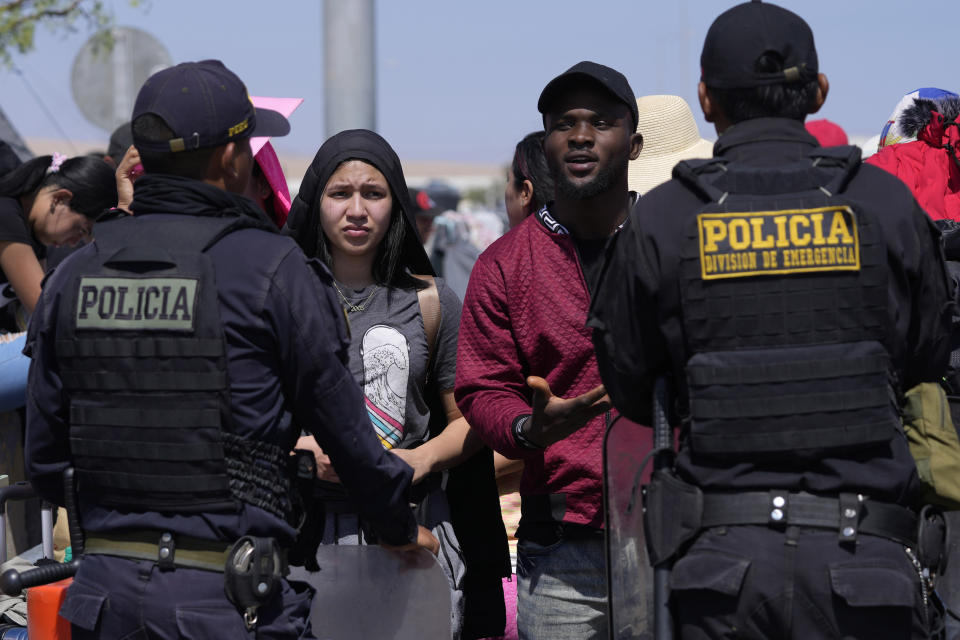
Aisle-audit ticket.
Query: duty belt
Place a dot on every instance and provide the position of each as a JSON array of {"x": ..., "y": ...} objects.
[
  {"x": 848, "y": 515},
  {"x": 167, "y": 549}
]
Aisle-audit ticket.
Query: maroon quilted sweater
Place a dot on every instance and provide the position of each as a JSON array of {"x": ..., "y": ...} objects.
[{"x": 524, "y": 314}]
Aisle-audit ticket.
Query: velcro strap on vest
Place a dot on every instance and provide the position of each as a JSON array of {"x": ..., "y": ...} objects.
[
  {"x": 805, "y": 510},
  {"x": 124, "y": 449},
  {"x": 155, "y": 418},
  {"x": 786, "y": 371},
  {"x": 786, "y": 441},
  {"x": 145, "y": 380},
  {"x": 785, "y": 405},
  {"x": 140, "y": 348},
  {"x": 171, "y": 484}
]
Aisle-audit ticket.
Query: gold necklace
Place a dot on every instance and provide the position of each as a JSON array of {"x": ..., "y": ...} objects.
[{"x": 350, "y": 307}]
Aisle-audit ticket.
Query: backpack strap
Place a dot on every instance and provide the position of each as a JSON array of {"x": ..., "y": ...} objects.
[
  {"x": 698, "y": 176},
  {"x": 846, "y": 159},
  {"x": 432, "y": 314}
]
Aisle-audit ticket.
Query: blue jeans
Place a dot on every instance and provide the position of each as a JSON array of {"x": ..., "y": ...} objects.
[
  {"x": 13, "y": 373},
  {"x": 561, "y": 590}
]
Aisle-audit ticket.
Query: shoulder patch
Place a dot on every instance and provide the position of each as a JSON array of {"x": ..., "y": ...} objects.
[
  {"x": 735, "y": 245},
  {"x": 137, "y": 303}
]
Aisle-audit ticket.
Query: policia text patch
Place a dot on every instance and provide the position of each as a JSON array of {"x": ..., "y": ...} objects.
[
  {"x": 734, "y": 245},
  {"x": 136, "y": 303}
]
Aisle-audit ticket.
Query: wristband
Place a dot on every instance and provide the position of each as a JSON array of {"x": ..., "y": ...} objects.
[{"x": 521, "y": 438}]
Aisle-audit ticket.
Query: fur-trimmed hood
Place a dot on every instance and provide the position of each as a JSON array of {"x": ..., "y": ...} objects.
[
  {"x": 915, "y": 118},
  {"x": 923, "y": 153}
]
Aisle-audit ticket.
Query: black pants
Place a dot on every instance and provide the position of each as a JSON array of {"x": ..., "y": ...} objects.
[
  {"x": 120, "y": 599},
  {"x": 758, "y": 582}
]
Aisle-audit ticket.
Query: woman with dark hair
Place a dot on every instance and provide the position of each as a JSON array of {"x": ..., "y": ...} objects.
[
  {"x": 529, "y": 183},
  {"x": 353, "y": 211},
  {"x": 48, "y": 201}
]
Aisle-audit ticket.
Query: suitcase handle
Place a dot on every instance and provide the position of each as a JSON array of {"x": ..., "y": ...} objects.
[
  {"x": 12, "y": 582},
  {"x": 16, "y": 491}
]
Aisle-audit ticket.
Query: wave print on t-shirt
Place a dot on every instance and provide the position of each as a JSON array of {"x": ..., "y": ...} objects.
[{"x": 386, "y": 367}]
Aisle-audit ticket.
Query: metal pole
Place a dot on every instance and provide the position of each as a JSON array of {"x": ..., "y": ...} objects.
[
  {"x": 123, "y": 90},
  {"x": 46, "y": 524},
  {"x": 349, "y": 62}
]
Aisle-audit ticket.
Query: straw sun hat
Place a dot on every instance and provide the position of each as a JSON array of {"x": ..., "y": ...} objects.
[{"x": 669, "y": 136}]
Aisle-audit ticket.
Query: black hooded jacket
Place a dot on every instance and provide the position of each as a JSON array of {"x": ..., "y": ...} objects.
[{"x": 355, "y": 144}]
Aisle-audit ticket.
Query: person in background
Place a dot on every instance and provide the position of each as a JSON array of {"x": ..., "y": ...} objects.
[
  {"x": 120, "y": 141},
  {"x": 529, "y": 183},
  {"x": 918, "y": 145},
  {"x": 9, "y": 160},
  {"x": 670, "y": 135},
  {"x": 529, "y": 187},
  {"x": 425, "y": 211},
  {"x": 48, "y": 201},
  {"x": 893, "y": 132},
  {"x": 827, "y": 133},
  {"x": 921, "y": 148},
  {"x": 458, "y": 234},
  {"x": 353, "y": 211},
  {"x": 268, "y": 188},
  {"x": 523, "y": 338}
]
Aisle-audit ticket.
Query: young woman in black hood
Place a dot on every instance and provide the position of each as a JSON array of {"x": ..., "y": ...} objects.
[{"x": 354, "y": 213}]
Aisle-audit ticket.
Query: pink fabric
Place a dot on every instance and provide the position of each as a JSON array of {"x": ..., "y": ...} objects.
[
  {"x": 926, "y": 167},
  {"x": 270, "y": 164},
  {"x": 266, "y": 157},
  {"x": 510, "y": 601},
  {"x": 284, "y": 106}
]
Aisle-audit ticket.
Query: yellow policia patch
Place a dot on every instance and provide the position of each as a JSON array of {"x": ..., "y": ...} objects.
[
  {"x": 137, "y": 303},
  {"x": 735, "y": 245}
]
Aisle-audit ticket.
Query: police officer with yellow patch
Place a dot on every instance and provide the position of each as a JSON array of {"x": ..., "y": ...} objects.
[
  {"x": 174, "y": 361},
  {"x": 790, "y": 295}
]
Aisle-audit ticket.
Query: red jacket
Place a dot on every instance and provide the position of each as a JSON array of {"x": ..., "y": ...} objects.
[
  {"x": 525, "y": 314},
  {"x": 927, "y": 168}
]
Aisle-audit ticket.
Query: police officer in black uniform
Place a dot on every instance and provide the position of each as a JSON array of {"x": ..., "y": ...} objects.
[
  {"x": 172, "y": 359},
  {"x": 790, "y": 295}
]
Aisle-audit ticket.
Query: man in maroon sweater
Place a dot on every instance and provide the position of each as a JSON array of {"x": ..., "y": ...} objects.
[{"x": 527, "y": 378}]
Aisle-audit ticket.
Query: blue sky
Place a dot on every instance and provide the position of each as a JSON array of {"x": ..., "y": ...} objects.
[{"x": 458, "y": 81}]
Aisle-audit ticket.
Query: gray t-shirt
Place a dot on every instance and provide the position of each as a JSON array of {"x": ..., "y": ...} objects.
[{"x": 388, "y": 357}]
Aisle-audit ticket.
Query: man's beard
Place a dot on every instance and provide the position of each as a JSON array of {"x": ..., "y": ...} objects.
[{"x": 602, "y": 181}]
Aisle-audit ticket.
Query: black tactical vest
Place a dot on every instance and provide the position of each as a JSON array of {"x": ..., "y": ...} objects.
[
  {"x": 143, "y": 362},
  {"x": 783, "y": 286}
]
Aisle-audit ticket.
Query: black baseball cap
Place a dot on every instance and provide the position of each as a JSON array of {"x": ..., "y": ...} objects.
[
  {"x": 206, "y": 105},
  {"x": 739, "y": 36},
  {"x": 610, "y": 79},
  {"x": 422, "y": 203}
]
